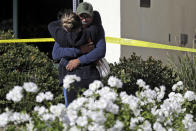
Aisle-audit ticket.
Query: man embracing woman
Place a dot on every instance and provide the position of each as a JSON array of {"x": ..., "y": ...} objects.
[{"x": 79, "y": 44}]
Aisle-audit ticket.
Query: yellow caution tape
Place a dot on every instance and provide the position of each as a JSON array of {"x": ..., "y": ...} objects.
[
  {"x": 27, "y": 40},
  {"x": 121, "y": 41},
  {"x": 138, "y": 43}
]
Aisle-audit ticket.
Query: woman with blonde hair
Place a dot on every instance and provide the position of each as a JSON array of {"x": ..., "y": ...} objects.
[{"x": 70, "y": 21}]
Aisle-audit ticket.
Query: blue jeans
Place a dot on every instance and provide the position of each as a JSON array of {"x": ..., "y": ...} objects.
[
  {"x": 65, "y": 95},
  {"x": 87, "y": 73}
]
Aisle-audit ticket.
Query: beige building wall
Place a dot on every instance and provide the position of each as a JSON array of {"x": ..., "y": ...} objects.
[
  {"x": 154, "y": 24},
  {"x": 111, "y": 21},
  {"x": 126, "y": 19}
]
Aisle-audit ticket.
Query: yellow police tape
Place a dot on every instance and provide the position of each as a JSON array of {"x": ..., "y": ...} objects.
[
  {"x": 121, "y": 41},
  {"x": 27, "y": 40},
  {"x": 139, "y": 43}
]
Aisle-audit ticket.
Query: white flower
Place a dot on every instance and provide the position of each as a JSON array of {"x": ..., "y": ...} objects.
[
  {"x": 82, "y": 121},
  {"x": 133, "y": 103},
  {"x": 95, "y": 85},
  {"x": 107, "y": 94},
  {"x": 124, "y": 97},
  {"x": 188, "y": 121},
  {"x": 170, "y": 129},
  {"x": 40, "y": 97},
  {"x": 113, "y": 108},
  {"x": 72, "y": 115},
  {"x": 156, "y": 89},
  {"x": 41, "y": 110},
  {"x": 114, "y": 82},
  {"x": 101, "y": 104},
  {"x": 180, "y": 83},
  {"x": 88, "y": 93},
  {"x": 30, "y": 87},
  {"x": 141, "y": 83},
  {"x": 44, "y": 96},
  {"x": 95, "y": 127},
  {"x": 146, "y": 126},
  {"x": 158, "y": 127},
  {"x": 84, "y": 111},
  {"x": 169, "y": 121},
  {"x": 74, "y": 128},
  {"x": 154, "y": 110},
  {"x": 171, "y": 105},
  {"x": 190, "y": 95},
  {"x": 15, "y": 94},
  {"x": 149, "y": 94},
  {"x": 176, "y": 97},
  {"x": 178, "y": 86},
  {"x": 48, "y": 117},
  {"x": 30, "y": 126},
  {"x": 91, "y": 104},
  {"x": 48, "y": 95},
  {"x": 103, "y": 90},
  {"x": 97, "y": 116},
  {"x": 160, "y": 96},
  {"x": 77, "y": 104},
  {"x": 174, "y": 87},
  {"x": 4, "y": 119},
  {"x": 18, "y": 118},
  {"x": 117, "y": 126},
  {"x": 25, "y": 117},
  {"x": 64, "y": 119},
  {"x": 135, "y": 121},
  {"x": 65, "y": 127},
  {"x": 193, "y": 127},
  {"x": 161, "y": 93},
  {"x": 69, "y": 79},
  {"x": 57, "y": 109},
  {"x": 163, "y": 88}
]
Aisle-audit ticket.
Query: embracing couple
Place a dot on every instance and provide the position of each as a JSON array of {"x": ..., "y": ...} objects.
[{"x": 79, "y": 44}]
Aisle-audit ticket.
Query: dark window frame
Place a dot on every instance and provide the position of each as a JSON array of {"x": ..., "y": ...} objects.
[{"x": 145, "y": 3}]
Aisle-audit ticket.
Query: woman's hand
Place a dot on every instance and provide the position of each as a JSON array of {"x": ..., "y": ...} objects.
[
  {"x": 87, "y": 47},
  {"x": 72, "y": 64}
]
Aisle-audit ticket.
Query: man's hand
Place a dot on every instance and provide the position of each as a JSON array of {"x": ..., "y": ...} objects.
[
  {"x": 72, "y": 64},
  {"x": 87, "y": 48}
]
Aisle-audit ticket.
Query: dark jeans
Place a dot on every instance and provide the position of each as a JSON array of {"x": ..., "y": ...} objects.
[{"x": 87, "y": 73}]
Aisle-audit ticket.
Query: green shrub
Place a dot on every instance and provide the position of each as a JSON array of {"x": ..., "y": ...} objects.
[
  {"x": 185, "y": 67},
  {"x": 152, "y": 71},
  {"x": 6, "y": 35},
  {"x": 24, "y": 63}
]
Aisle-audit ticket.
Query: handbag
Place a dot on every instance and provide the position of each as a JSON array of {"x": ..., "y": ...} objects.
[{"x": 103, "y": 67}]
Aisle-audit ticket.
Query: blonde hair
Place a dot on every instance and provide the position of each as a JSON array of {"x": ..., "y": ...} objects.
[{"x": 70, "y": 21}]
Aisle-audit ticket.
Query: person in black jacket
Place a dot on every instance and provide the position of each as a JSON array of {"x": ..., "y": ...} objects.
[
  {"x": 74, "y": 38},
  {"x": 72, "y": 34}
]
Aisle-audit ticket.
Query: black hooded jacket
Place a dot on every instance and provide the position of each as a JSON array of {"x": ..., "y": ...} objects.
[{"x": 76, "y": 39}]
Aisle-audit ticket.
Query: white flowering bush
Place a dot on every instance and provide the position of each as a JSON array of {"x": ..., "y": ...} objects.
[
  {"x": 102, "y": 108},
  {"x": 22, "y": 63},
  {"x": 14, "y": 120},
  {"x": 26, "y": 94}
]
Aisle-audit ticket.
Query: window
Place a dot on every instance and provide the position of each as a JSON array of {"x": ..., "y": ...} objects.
[{"x": 145, "y": 3}]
